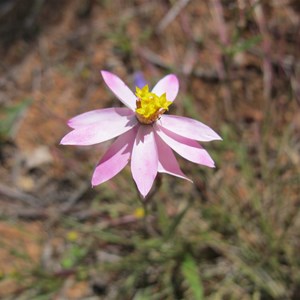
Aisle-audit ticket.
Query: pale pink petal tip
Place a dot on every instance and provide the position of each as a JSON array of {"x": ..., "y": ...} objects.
[
  {"x": 169, "y": 85},
  {"x": 97, "y": 133},
  {"x": 187, "y": 148},
  {"x": 167, "y": 162},
  {"x": 120, "y": 89},
  {"x": 99, "y": 116},
  {"x": 115, "y": 159},
  {"x": 189, "y": 128}
]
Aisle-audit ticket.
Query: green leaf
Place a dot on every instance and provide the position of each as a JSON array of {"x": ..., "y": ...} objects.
[
  {"x": 9, "y": 115},
  {"x": 190, "y": 273},
  {"x": 73, "y": 256},
  {"x": 243, "y": 45},
  {"x": 176, "y": 220},
  {"x": 163, "y": 218},
  {"x": 143, "y": 295}
]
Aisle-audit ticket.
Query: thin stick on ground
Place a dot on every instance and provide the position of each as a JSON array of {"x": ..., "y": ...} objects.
[
  {"x": 218, "y": 15},
  {"x": 171, "y": 15},
  {"x": 266, "y": 47}
]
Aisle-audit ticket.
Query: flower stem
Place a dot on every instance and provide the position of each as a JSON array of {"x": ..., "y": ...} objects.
[{"x": 150, "y": 207}]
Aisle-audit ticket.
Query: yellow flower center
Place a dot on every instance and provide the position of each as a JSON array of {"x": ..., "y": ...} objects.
[{"x": 149, "y": 106}]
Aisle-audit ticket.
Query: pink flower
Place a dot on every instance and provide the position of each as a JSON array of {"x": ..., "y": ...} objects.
[{"x": 146, "y": 136}]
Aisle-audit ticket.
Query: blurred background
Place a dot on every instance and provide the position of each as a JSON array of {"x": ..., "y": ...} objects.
[{"x": 233, "y": 234}]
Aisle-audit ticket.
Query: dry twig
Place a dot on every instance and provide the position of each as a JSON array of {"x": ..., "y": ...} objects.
[
  {"x": 18, "y": 195},
  {"x": 218, "y": 15},
  {"x": 171, "y": 15},
  {"x": 267, "y": 65}
]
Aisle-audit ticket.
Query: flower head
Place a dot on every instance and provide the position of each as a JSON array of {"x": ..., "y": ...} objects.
[
  {"x": 149, "y": 106},
  {"x": 146, "y": 136}
]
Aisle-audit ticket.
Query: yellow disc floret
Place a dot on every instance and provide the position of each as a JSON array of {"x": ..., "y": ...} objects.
[{"x": 149, "y": 106}]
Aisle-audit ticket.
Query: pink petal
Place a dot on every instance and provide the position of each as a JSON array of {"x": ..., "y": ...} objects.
[
  {"x": 168, "y": 84},
  {"x": 99, "y": 132},
  {"x": 120, "y": 89},
  {"x": 187, "y": 148},
  {"x": 167, "y": 162},
  {"x": 115, "y": 159},
  {"x": 99, "y": 115},
  {"x": 144, "y": 160},
  {"x": 189, "y": 128}
]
